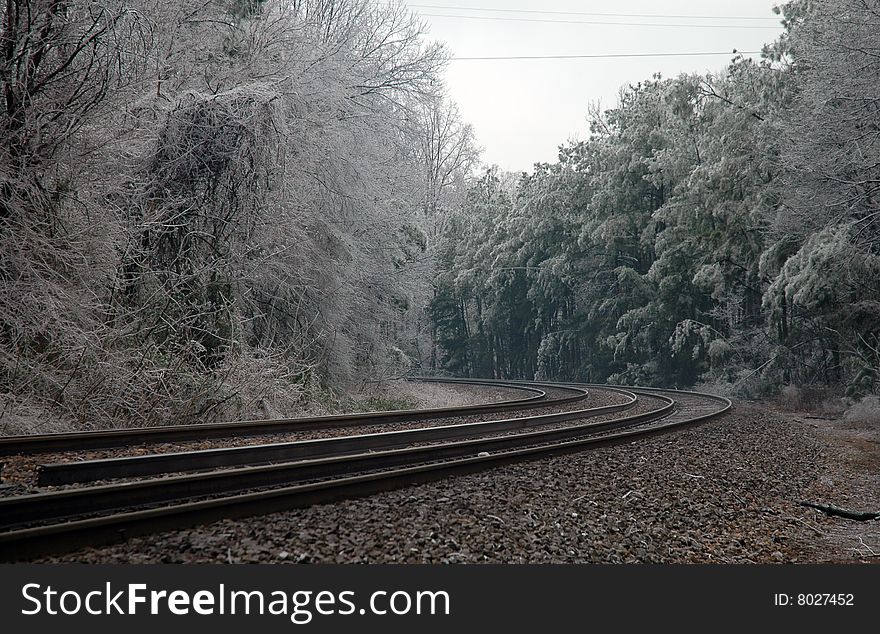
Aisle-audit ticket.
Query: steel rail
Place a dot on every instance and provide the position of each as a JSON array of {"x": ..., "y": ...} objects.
[
  {"x": 73, "y": 441},
  {"x": 56, "y": 505},
  {"x": 27, "y": 542},
  {"x": 57, "y": 474}
]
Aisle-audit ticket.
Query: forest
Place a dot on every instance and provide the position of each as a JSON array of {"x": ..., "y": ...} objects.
[
  {"x": 216, "y": 209},
  {"x": 230, "y": 208},
  {"x": 720, "y": 230}
]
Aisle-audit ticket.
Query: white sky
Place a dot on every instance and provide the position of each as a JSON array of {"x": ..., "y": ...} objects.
[{"x": 522, "y": 110}]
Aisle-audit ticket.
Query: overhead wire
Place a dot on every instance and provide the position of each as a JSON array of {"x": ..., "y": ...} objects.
[
  {"x": 588, "y": 13},
  {"x": 602, "y": 55},
  {"x": 597, "y": 22}
]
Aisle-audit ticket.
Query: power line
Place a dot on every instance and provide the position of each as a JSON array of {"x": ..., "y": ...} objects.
[
  {"x": 699, "y": 26},
  {"x": 610, "y": 15},
  {"x": 601, "y": 56}
]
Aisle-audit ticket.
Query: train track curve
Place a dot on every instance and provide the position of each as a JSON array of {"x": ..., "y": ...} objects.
[
  {"x": 43, "y": 443},
  {"x": 110, "y": 499}
]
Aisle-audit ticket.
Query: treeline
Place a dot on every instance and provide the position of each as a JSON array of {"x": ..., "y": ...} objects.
[
  {"x": 721, "y": 229},
  {"x": 214, "y": 209}
]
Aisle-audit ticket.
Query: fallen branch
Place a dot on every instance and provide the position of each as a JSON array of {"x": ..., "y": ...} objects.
[
  {"x": 861, "y": 516},
  {"x": 868, "y": 548}
]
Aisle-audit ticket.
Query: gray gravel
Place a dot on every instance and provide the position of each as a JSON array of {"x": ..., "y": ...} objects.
[{"x": 725, "y": 491}]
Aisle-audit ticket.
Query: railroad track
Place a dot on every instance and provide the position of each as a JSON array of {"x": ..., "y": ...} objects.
[
  {"x": 77, "y": 441},
  {"x": 212, "y": 484}
]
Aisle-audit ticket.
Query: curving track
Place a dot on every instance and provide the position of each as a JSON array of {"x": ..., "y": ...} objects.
[
  {"x": 211, "y": 484},
  {"x": 77, "y": 441}
]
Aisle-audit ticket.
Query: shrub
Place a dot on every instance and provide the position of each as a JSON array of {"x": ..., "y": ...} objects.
[{"x": 865, "y": 411}]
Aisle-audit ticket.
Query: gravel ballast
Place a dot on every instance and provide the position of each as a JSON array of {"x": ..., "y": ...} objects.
[{"x": 725, "y": 491}]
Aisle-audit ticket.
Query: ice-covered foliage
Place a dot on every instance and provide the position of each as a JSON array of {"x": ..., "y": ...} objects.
[
  {"x": 204, "y": 208},
  {"x": 720, "y": 228}
]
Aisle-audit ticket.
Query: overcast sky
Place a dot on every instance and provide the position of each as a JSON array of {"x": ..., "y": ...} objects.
[{"x": 522, "y": 110}]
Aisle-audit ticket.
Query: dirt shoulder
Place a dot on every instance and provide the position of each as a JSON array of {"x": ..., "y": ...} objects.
[{"x": 847, "y": 476}]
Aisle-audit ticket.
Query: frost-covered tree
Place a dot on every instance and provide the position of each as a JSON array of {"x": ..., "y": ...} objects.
[
  {"x": 205, "y": 207},
  {"x": 720, "y": 228},
  {"x": 826, "y": 295}
]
